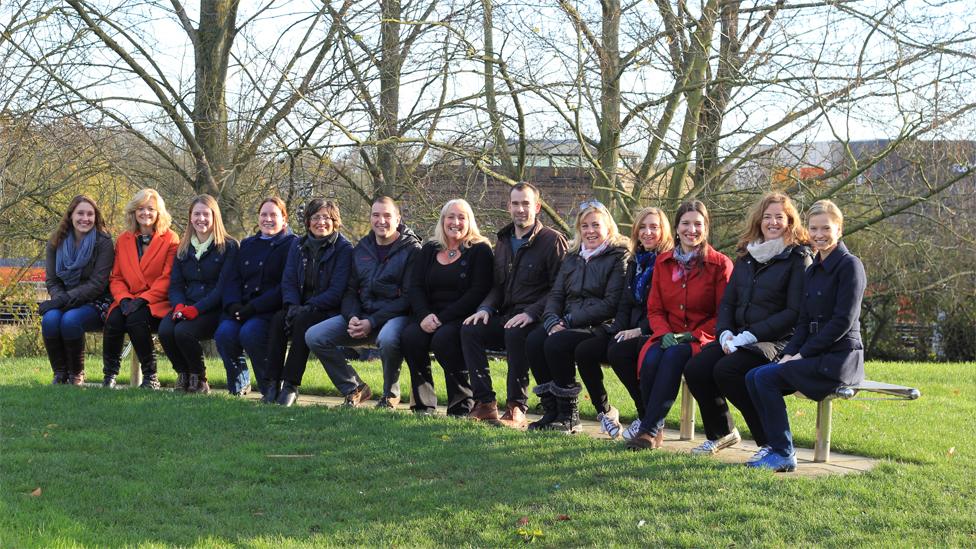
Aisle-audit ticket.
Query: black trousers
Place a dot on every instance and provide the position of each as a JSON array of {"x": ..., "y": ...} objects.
[
  {"x": 476, "y": 339},
  {"x": 445, "y": 343},
  {"x": 622, "y": 357},
  {"x": 290, "y": 368},
  {"x": 181, "y": 340},
  {"x": 714, "y": 377},
  {"x": 140, "y": 326},
  {"x": 552, "y": 358}
]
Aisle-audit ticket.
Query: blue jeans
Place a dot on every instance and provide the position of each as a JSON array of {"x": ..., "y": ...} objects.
[
  {"x": 325, "y": 338},
  {"x": 233, "y": 339},
  {"x": 766, "y": 386},
  {"x": 660, "y": 379},
  {"x": 70, "y": 324}
]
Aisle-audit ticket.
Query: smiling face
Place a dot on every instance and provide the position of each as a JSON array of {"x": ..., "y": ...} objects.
[
  {"x": 321, "y": 223},
  {"x": 455, "y": 223},
  {"x": 83, "y": 219},
  {"x": 825, "y": 233},
  {"x": 649, "y": 231},
  {"x": 384, "y": 220},
  {"x": 692, "y": 230},
  {"x": 201, "y": 218},
  {"x": 146, "y": 216},
  {"x": 523, "y": 206},
  {"x": 270, "y": 219},
  {"x": 593, "y": 230},
  {"x": 774, "y": 222}
]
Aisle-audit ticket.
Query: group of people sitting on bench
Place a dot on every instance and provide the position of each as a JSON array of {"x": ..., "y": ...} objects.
[{"x": 660, "y": 304}]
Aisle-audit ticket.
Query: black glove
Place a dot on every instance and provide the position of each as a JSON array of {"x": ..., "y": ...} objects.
[
  {"x": 246, "y": 312},
  {"x": 130, "y": 306},
  {"x": 292, "y": 314},
  {"x": 51, "y": 304},
  {"x": 233, "y": 309}
]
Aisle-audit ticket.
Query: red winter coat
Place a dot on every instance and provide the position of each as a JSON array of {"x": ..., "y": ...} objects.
[
  {"x": 686, "y": 305},
  {"x": 146, "y": 278}
]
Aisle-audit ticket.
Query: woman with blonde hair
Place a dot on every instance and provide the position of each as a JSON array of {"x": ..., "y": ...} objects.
[
  {"x": 825, "y": 351},
  {"x": 620, "y": 343},
  {"x": 204, "y": 256},
  {"x": 79, "y": 262},
  {"x": 450, "y": 276},
  {"x": 755, "y": 320},
  {"x": 140, "y": 284},
  {"x": 581, "y": 305}
]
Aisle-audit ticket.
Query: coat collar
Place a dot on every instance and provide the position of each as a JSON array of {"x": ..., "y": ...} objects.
[
  {"x": 508, "y": 231},
  {"x": 833, "y": 259},
  {"x": 710, "y": 256}
]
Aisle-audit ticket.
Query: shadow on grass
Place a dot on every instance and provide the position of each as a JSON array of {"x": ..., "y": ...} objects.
[{"x": 131, "y": 467}]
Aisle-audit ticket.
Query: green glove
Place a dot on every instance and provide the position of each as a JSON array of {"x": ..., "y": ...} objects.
[
  {"x": 685, "y": 337},
  {"x": 668, "y": 340}
]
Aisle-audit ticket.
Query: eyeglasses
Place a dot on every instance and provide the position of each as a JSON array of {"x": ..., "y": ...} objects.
[
  {"x": 591, "y": 204},
  {"x": 320, "y": 218}
]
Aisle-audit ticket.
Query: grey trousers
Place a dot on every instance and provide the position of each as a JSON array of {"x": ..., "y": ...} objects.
[{"x": 325, "y": 338}]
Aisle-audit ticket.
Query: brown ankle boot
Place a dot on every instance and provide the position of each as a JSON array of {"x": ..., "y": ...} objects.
[
  {"x": 484, "y": 411},
  {"x": 514, "y": 417}
]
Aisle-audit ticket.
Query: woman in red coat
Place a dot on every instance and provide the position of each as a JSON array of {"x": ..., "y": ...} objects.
[
  {"x": 139, "y": 285},
  {"x": 685, "y": 295}
]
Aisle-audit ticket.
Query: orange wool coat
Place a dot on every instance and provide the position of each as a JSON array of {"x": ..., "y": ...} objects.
[{"x": 146, "y": 278}]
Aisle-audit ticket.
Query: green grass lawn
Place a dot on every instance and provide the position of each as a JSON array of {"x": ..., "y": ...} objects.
[{"x": 137, "y": 468}]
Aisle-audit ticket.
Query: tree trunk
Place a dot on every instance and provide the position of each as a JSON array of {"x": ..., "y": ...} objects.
[
  {"x": 387, "y": 127},
  {"x": 608, "y": 150}
]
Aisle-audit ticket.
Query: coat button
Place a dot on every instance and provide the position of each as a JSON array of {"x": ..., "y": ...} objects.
[
  {"x": 247, "y": 262},
  {"x": 684, "y": 285},
  {"x": 464, "y": 275},
  {"x": 682, "y": 306},
  {"x": 257, "y": 289},
  {"x": 260, "y": 263}
]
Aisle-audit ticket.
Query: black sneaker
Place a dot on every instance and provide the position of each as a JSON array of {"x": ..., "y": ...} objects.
[{"x": 150, "y": 382}]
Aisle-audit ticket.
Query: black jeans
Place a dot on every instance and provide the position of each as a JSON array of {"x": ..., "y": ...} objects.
[
  {"x": 292, "y": 368},
  {"x": 713, "y": 377},
  {"x": 476, "y": 339},
  {"x": 660, "y": 379},
  {"x": 622, "y": 357},
  {"x": 445, "y": 343},
  {"x": 553, "y": 357},
  {"x": 140, "y": 326},
  {"x": 181, "y": 341}
]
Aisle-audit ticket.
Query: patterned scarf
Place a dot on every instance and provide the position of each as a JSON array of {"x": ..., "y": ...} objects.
[
  {"x": 686, "y": 262},
  {"x": 71, "y": 260},
  {"x": 645, "y": 268}
]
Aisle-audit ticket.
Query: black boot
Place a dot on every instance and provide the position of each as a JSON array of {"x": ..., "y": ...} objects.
[
  {"x": 567, "y": 405},
  {"x": 56, "y": 356},
  {"x": 182, "y": 382},
  {"x": 74, "y": 350},
  {"x": 272, "y": 388},
  {"x": 549, "y": 412},
  {"x": 147, "y": 360},
  {"x": 288, "y": 394},
  {"x": 111, "y": 357}
]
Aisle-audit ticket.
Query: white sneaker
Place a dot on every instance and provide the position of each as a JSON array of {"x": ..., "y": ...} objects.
[
  {"x": 631, "y": 432},
  {"x": 761, "y": 453},
  {"x": 610, "y": 422},
  {"x": 711, "y": 447}
]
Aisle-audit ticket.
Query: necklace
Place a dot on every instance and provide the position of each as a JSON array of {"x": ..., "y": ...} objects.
[{"x": 451, "y": 254}]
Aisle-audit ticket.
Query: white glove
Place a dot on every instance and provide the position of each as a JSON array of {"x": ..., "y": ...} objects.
[
  {"x": 745, "y": 338},
  {"x": 725, "y": 340}
]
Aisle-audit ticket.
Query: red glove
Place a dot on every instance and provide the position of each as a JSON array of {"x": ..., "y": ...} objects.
[
  {"x": 190, "y": 312},
  {"x": 177, "y": 310}
]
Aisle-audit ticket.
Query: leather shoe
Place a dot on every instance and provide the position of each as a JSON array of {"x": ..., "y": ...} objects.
[
  {"x": 288, "y": 394},
  {"x": 485, "y": 411},
  {"x": 514, "y": 417}
]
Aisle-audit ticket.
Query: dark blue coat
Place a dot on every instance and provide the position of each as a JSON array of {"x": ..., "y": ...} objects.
[
  {"x": 828, "y": 334},
  {"x": 196, "y": 282},
  {"x": 256, "y": 278},
  {"x": 378, "y": 291},
  {"x": 332, "y": 274}
]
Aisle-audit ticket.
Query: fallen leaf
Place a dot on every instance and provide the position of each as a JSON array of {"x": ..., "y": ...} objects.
[
  {"x": 52, "y": 425},
  {"x": 445, "y": 438},
  {"x": 562, "y": 517},
  {"x": 952, "y": 451},
  {"x": 522, "y": 521},
  {"x": 800, "y": 413},
  {"x": 641, "y": 523},
  {"x": 37, "y": 492}
]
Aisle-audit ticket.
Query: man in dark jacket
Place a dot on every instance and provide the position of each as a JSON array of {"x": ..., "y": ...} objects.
[
  {"x": 527, "y": 257},
  {"x": 374, "y": 307}
]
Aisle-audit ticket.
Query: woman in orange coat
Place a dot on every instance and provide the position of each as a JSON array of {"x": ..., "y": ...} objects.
[{"x": 139, "y": 284}]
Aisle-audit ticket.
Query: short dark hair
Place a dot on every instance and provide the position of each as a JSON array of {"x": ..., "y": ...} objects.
[
  {"x": 317, "y": 204},
  {"x": 383, "y": 199},
  {"x": 521, "y": 186}
]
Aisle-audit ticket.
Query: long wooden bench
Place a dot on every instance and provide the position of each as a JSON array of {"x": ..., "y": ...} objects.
[{"x": 821, "y": 449}]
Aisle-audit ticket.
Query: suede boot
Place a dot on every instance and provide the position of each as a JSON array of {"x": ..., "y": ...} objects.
[
  {"x": 56, "y": 356},
  {"x": 567, "y": 406},
  {"x": 549, "y": 411},
  {"x": 75, "y": 352}
]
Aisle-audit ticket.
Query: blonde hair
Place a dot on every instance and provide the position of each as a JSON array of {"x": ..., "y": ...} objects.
[
  {"x": 474, "y": 234},
  {"x": 829, "y": 208},
  {"x": 797, "y": 233},
  {"x": 614, "y": 237},
  {"x": 143, "y": 197},
  {"x": 665, "y": 243},
  {"x": 219, "y": 232}
]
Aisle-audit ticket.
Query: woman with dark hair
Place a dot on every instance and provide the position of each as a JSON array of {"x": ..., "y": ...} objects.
[
  {"x": 825, "y": 351},
  {"x": 582, "y": 303},
  {"x": 79, "y": 262},
  {"x": 685, "y": 295},
  {"x": 204, "y": 256},
  {"x": 140, "y": 286},
  {"x": 758, "y": 312},
  {"x": 315, "y": 277},
  {"x": 621, "y": 342},
  {"x": 450, "y": 276},
  {"x": 252, "y": 295}
]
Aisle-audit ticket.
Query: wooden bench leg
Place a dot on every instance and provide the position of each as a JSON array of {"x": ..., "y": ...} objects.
[
  {"x": 687, "y": 430},
  {"x": 135, "y": 371},
  {"x": 821, "y": 450}
]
